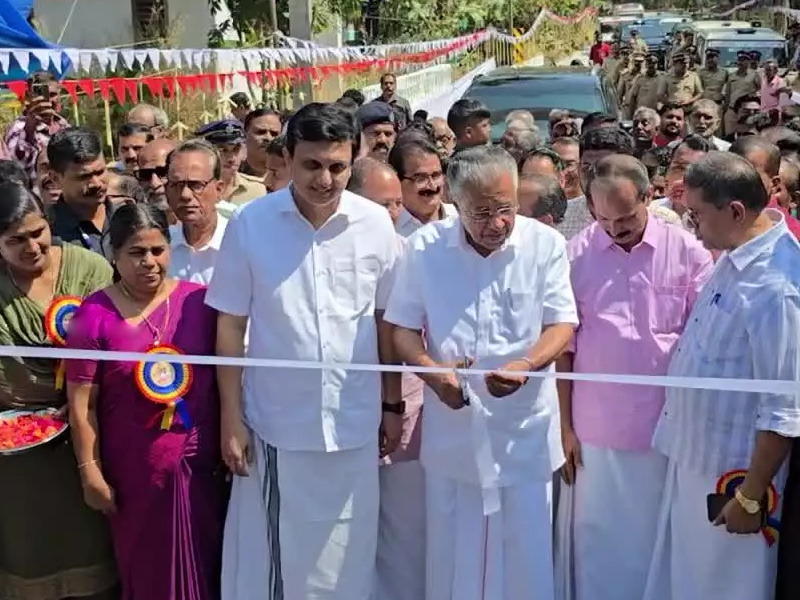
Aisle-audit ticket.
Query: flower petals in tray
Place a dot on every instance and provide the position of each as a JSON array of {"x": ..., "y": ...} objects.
[{"x": 22, "y": 430}]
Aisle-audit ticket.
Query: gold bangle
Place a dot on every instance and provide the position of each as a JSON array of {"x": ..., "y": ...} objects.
[{"x": 86, "y": 464}]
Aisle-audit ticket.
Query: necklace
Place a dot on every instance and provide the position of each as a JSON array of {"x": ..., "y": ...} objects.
[{"x": 153, "y": 329}]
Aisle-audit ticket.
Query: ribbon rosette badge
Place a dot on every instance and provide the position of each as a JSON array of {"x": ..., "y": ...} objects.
[
  {"x": 731, "y": 480},
  {"x": 165, "y": 383},
  {"x": 56, "y": 325}
]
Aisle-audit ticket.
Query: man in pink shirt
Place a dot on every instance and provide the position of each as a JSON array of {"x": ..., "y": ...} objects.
[
  {"x": 774, "y": 91},
  {"x": 766, "y": 158},
  {"x": 635, "y": 279}
]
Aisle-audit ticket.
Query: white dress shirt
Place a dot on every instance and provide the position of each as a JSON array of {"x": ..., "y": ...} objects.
[
  {"x": 745, "y": 324},
  {"x": 576, "y": 218},
  {"x": 194, "y": 264},
  {"x": 311, "y": 295},
  {"x": 408, "y": 223},
  {"x": 491, "y": 309}
]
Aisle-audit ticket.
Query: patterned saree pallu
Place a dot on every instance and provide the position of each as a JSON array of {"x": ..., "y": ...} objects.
[
  {"x": 56, "y": 324},
  {"x": 731, "y": 480},
  {"x": 165, "y": 383}
]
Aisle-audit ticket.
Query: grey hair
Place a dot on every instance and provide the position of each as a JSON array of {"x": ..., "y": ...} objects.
[
  {"x": 160, "y": 117},
  {"x": 708, "y": 105},
  {"x": 724, "y": 177},
  {"x": 471, "y": 167},
  {"x": 620, "y": 166},
  {"x": 645, "y": 112},
  {"x": 552, "y": 200},
  {"x": 362, "y": 168},
  {"x": 202, "y": 146},
  {"x": 557, "y": 114},
  {"x": 522, "y": 115}
]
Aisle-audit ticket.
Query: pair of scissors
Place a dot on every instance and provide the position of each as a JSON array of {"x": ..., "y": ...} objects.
[{"x": 462, "y": 382}]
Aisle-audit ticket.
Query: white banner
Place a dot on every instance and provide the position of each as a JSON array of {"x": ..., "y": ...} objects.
[{"x": 439, "y": 105}]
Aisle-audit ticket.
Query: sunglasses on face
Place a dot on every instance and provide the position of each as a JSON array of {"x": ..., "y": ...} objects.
[{"x": 147, "y": 174}]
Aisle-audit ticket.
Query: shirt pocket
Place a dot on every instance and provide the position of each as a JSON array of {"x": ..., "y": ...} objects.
[
  {"x": 724, "y": 341},
  {"x": 516, "y": 315},
  {"x": 667, "y": 308},
  {"x": 353, "y": 285}
]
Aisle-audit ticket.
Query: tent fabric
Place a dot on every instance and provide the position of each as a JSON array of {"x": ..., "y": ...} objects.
[{"x": 15, "y": 31}]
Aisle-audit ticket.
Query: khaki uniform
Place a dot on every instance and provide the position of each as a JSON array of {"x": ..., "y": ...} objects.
[
  {"x": 609, "y": 66},
  {"x": 713, "y": 83},
  {"x": 626, "y": 79},
  {"x": 615, "y": 74},
  {"x": 245, "y": 189},
  {"x": 738, "y": 86},
  {"x": 644, "y": 92},
  {"x": 680, "y": 89}
]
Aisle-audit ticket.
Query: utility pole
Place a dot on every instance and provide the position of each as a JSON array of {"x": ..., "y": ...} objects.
[
  {"x": 510, "y": 16},
  {"x": 300, "y": 12},
  {"x": 273, "y": 14}
]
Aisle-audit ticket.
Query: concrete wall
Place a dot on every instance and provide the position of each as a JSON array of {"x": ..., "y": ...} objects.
[{"x": 103, "y": 23}]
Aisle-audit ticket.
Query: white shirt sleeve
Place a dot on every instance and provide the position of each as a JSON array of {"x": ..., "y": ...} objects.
[
  {"x": 386, "y": 279},
  {"x": 406, "y": 307},
  {"x": 559, "y": 301},
  {"x": 231, "y": 287},
  {"x": 776, "y": 355}
]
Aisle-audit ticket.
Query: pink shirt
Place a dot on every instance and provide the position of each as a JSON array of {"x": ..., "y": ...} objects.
[
  {"x": 769, "y": 101},
  {"x": 632, "y": 307}
]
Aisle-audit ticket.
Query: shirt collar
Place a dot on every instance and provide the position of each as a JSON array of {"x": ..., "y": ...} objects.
[
  {"x": 286, "y": 203},
  {"x": 178, "y": 239},
  {"x": 745, "y": 254},
  {"x": 445, "y": 210},
  {"x": 650, "y": 236},
  {"x": 67, "y": 218}
]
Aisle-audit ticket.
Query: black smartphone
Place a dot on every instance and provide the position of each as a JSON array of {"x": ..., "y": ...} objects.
[
  {"x": 714, "y": 505},
  {"x": 41, "y": 90}
]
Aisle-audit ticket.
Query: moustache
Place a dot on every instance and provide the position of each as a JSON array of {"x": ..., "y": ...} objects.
[
  {"x": 381, "y": 146},
  {"x": 427, "y": 193}
]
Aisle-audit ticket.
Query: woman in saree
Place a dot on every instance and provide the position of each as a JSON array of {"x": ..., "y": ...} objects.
[
  {"x": 52, "y": 546},
  {"x": 148, "y": 433}
]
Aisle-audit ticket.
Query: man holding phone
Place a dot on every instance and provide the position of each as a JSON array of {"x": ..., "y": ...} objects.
[{"x": 29, "y": 134}]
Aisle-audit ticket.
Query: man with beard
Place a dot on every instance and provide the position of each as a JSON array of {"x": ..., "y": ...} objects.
[
  {"x": 645, "y": 125},
  {"x": 131, "y": 138},
  {"x": 278, "y": 175},
  {"x": 746, "y": 106},
  {"x": 644, "y": 91},
  {"x": 193, "y": 189},
  {"x": 261, "y": 126},
  {"x": 742, "y": 82},
  {"x": 152, "y": 173},
  {"x": 705, "y": 120},
  {"x": 682, "y": 86},
  {"x": 82, "y": 214},
  {"x": 419, "y": 166},
  {"x": 228, "y": 138},
  {"x": 303, "y": 446},
  {"x": 379, "y": 126},
  {"x": 672, "y": 124},
  {"x": 491, "y": 288}
]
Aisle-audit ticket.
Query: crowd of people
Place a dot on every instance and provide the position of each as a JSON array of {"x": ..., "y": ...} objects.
[{"x": 362, "y": 232}]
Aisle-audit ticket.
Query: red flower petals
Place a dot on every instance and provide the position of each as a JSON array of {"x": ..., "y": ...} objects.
[{"x": 25, "y": 430}]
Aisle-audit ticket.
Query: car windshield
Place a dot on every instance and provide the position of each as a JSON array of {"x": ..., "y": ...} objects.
[
  {"x": 539, "y": 96},
  {"x": 647, "y": 31},
  {"x": 729, "y": 49}
]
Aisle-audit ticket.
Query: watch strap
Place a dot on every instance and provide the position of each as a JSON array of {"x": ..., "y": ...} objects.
[{"x": 397, "y": 408}]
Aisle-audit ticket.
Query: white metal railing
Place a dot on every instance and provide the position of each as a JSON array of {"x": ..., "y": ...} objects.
[{"x": 416, "y": 86}]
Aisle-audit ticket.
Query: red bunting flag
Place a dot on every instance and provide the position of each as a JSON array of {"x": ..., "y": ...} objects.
[
  {"x": 118, "y": 86},
  {"x": 170, "y": 83},
  {"x": 19, "y": 88},
  {"x": 72, "y": 89},
  {"x": 133, "y": 91},
  {"x": 86, "y": 86},
  {"x": 155, "y": 85},
  {"x": 104, "y": 85}
]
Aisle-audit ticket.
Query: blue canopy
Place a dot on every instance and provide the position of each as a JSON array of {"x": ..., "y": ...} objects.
[{"x": 16, "y": 32}]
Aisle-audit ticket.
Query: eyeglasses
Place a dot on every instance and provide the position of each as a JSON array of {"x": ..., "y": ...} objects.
[
  {"x": 147, "y": 174},
  {"x": 196, "y": 187},
  {"x": 505, "y": 212},
  {"x": 423, "y": 178}
]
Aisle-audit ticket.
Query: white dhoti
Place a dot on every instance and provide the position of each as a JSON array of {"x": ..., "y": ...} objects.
[
  {"x": 302, "y": 526},
  {"x": 607, "y": 523},
  {"x": 694, "y": 560},
  {"x": 504, "y": 556},
  {"x": 400, "y": 563}
]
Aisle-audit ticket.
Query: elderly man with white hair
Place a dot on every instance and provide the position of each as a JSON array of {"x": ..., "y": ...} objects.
[
  {"x": 152, "y": 117},
  {"x": 491, "y": 289},
  {"x": 705, "y": 120},
  {"x": 520, "y": 138}
]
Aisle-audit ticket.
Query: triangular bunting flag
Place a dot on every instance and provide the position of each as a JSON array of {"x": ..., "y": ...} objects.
[
  {"x": 133, "y": 90},
  {"x": 103, "y": 85},
  {"x": 170, "y": 83},
  {"x": 72, "y": 89},
  {"x": 155, "y": 85},
  {"x": 86, "y": 86},
  {"x": 19, "y": 88},
  {"x": 118, "y": 86}
]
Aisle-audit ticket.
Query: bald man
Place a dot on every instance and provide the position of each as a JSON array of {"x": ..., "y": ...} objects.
[
  {"x": 443, "y": 136},
  {"x": 377, "y": 181},
  {"x": 152, "y": 172},
  {"x": 152, "y": 117},
  {"x": 400, "y": 561}
]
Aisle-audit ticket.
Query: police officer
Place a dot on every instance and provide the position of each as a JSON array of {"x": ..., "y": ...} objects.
[
  {"x": 637, "y": 43},
  {"x": 681, "y": 86},
  {"x": 742, "y": 82},
  {"x": 644, "y": 91},
  {"x": 611, "y": 62},
  {"x": 379, "y": 127},
  {"x": 228, "y": 138},
  {"x": 712, "y": 77},
  {"x": 626, "y": 79},
  {"x": 755, "y": 59},
  {"x": 692, "y": 58},
  {"x": 624, "y": 63}
]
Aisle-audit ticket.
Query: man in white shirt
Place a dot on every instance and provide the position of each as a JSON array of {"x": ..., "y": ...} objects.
[
  {"x": 419, "y": 166},
  {"x": 492, "y": 289},
  {"x": 744, "y": 325},
  {"x": 193, "y": 188},
  {"x": 304, "y": 444}
]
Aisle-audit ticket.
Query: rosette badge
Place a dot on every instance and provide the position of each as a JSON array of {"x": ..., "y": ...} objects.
[
  {"x": 165, "y": 383},
  {"x": 56, "y": 325}
]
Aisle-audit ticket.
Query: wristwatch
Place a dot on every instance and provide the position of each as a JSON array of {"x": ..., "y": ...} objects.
[
  {"x": 751, "y": 507},
  {"x": 397, "y": 408}
]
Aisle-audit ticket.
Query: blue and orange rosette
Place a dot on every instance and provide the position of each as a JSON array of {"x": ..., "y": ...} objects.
[
  {"x": 165, "y": 383},
  {"x": 731, "y": 480},
  {"x": 56, "y": 323}
]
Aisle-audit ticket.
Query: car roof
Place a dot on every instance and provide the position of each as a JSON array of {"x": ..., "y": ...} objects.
[
  {"x": 706, "y": 25},
  {"x": 569, "y": 74},
  {"x": 755, "y": 34}
]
